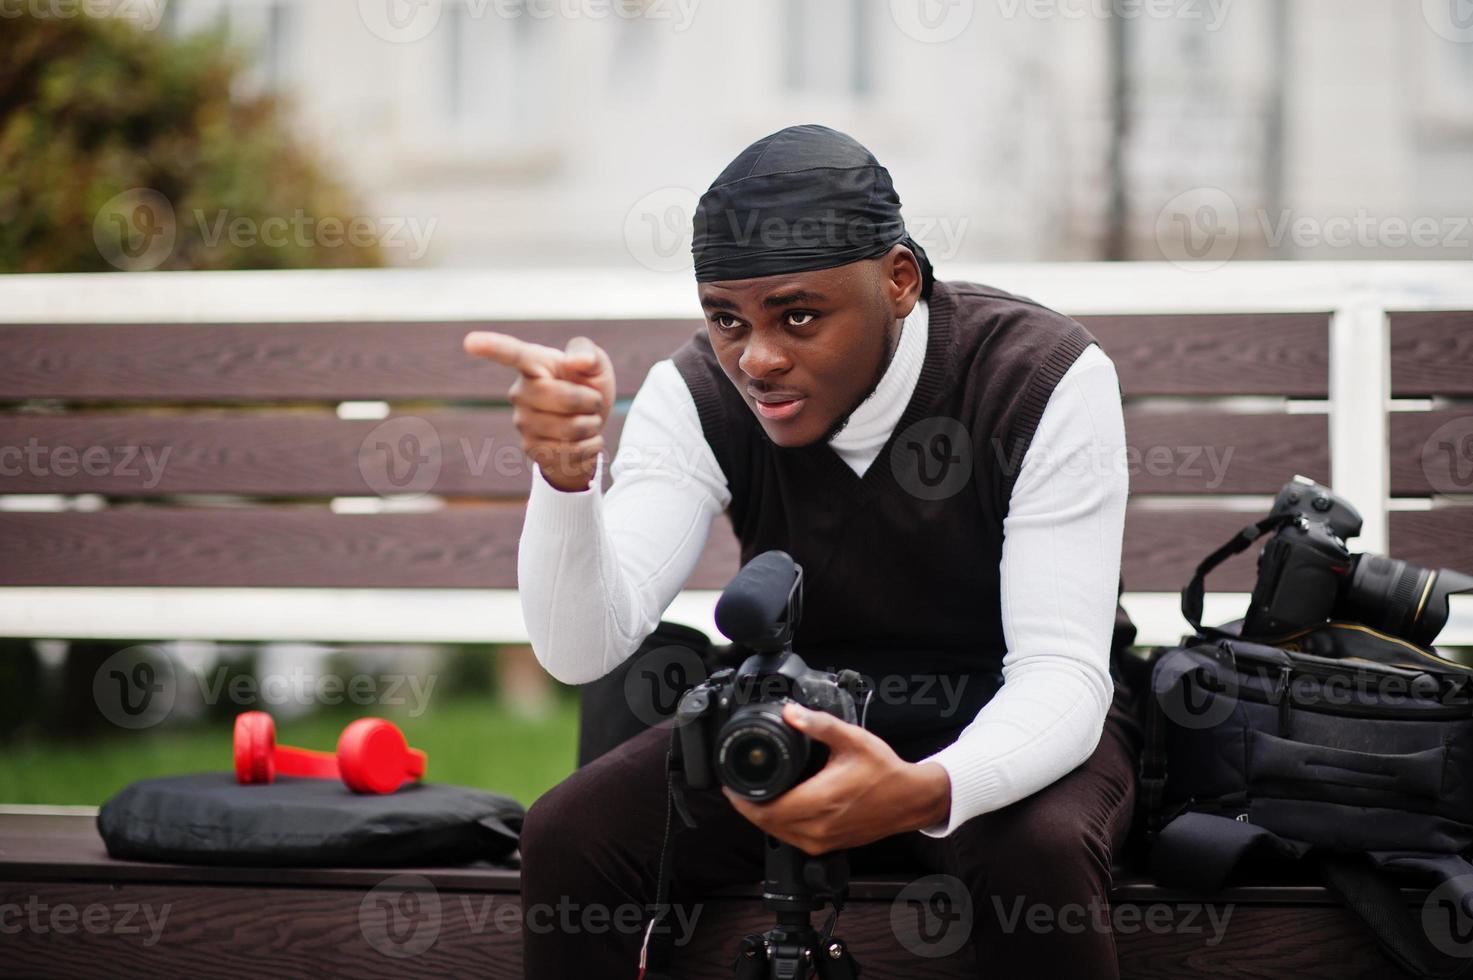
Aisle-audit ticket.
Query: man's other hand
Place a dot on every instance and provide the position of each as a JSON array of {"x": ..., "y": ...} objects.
[{"x": 863, "y": 793}]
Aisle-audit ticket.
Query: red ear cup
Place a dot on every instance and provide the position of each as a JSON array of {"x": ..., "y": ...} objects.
[
  {"x": 258, "y": 758},
  {"x": 255, "y": 747},
  {"x": 374, "y": 757}
]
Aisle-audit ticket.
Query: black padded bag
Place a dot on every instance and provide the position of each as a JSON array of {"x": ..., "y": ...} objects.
[{"x": 209, "y": 818}]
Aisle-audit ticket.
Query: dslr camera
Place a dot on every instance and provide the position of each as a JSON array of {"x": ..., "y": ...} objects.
[
  {"x": 1306, "y": 575},
  {"x": 731, "y": 726}
]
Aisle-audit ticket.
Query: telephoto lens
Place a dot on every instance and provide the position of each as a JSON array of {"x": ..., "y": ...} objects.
[{"x": 1400, "y": 598}]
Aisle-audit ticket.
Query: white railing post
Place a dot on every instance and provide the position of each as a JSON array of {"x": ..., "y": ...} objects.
[{"x": 1360, "y": 394}]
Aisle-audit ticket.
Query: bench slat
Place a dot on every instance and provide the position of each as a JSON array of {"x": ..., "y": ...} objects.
[
  {"x": 1441, "y": 538},
  {"x": 459, "y": 547},
  {"x": 221, "y": 363},
  {"x": 1188, "y": 354},
  {"x": 1218, "y": 354},
  {"x": 1416, "y": 460},
  {"x": 477, "y": 453},
  {"x": 1431, "y": 354}
]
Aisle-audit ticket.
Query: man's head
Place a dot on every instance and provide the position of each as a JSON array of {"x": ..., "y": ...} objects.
[{"x": 804, "y": 271}]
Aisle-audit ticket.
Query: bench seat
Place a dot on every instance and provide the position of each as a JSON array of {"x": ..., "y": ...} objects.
[{"x": 219, "y": 922}]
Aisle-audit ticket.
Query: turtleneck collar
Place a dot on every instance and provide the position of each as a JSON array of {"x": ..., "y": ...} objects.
[{"x": 872, "y": 422}]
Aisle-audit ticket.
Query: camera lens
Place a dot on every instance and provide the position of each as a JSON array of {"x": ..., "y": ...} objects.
[
  {"x": 758, "y": 755},
  {"x": 1400, "y": 598}
]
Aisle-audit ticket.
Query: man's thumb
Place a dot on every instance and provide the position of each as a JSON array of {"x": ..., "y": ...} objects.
[
  {"x": 583, "y": 355},
  {"x": 819, "y": 725}
]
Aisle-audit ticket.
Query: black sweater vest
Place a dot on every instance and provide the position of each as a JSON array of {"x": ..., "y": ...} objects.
[{"x": 901, "y": 565}]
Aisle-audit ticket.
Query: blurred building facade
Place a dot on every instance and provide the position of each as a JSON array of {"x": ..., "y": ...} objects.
[{"x": 537, "y": 132}]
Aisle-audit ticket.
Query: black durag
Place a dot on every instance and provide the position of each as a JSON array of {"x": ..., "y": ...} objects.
[{"x": 806, "y": 197}]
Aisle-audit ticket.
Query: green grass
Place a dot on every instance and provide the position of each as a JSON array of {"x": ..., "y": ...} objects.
[{"x": 471, "y": 742}]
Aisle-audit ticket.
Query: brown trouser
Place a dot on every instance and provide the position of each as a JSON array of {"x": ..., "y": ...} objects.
[{"x": 1037, "y": 872}]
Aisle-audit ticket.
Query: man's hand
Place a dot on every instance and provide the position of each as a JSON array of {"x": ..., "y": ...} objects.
[
  {"x": 863, "y": 793},
  {"x": 561, "y": 401}
]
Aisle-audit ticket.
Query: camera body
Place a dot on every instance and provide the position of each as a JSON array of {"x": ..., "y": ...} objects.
[
  {"x": 1307, "y": 575},
  {"x": 732, "y": 730}
]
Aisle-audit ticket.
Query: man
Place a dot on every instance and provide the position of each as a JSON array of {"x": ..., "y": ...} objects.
[{"x": 942, "y": 459}]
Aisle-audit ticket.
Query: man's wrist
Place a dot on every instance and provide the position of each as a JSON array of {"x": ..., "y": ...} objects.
[{"x": 930, "y": 787}]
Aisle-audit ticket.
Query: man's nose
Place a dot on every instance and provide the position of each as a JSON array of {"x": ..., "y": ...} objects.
[{"x": 761, "y": 358}]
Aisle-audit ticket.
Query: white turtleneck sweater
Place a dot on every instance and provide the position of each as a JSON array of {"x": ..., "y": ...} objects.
[{"x": 596, "y": 571}]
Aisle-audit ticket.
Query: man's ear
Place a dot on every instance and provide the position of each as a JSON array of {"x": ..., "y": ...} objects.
[{"x": 902, "y": 274}]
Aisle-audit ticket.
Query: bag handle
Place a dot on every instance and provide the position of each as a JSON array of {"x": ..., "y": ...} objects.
[{"x": 1191, "y": 596}]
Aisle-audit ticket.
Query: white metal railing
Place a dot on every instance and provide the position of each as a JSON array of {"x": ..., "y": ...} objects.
[{"x": 1356, "y": 295}]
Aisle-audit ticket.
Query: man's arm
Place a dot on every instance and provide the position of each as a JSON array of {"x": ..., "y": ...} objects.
[
  {"x": 1060, "y": 573},
  {"x": 595, "y": 571}
]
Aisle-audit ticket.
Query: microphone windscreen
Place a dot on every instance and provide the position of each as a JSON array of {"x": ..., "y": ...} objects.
[{"x": 756, "y": 597}]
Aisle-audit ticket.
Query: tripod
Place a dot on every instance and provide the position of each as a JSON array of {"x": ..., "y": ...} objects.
[{"x": 797, "y": 884}]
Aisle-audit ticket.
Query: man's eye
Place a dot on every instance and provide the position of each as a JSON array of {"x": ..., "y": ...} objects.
[
  {"x": 797, "y": 319},
  {"x": 725, "y": 321}
]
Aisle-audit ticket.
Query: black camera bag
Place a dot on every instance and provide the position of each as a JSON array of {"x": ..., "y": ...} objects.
[{"x": 1338, "y": 745}]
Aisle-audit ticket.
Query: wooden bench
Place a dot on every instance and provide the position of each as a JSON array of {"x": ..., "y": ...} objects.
[{"x": 338, "y": 470}]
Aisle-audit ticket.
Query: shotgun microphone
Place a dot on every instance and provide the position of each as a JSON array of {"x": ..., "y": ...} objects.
[{"x": 760, "y": 607}]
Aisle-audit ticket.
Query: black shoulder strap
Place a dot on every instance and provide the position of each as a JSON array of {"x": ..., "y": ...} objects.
[
  {"x": 1191, "y": 596},
  {"x": 1434, "y": 942}
]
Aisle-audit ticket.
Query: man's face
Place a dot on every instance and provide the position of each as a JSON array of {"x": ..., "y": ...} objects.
[{"x": 804, "y": 349}]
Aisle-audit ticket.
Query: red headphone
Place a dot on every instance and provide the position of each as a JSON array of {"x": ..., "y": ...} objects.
[{"x": 372, "y": 755}]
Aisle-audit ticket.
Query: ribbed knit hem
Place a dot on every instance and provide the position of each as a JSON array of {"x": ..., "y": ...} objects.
[
  {"x": 564, "y": 512},
  {"x": 975, "y": 788}
]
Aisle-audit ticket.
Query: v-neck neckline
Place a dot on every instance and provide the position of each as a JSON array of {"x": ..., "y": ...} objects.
[{"x": 928, "y": 382}]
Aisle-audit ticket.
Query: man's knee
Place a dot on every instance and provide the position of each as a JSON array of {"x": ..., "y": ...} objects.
[{"x": 1045, "y": 839}]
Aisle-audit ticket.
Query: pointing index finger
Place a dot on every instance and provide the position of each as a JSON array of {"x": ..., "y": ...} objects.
[{"x": 533, "y": 360}]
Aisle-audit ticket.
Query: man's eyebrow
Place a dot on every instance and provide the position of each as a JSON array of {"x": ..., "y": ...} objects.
[
  {"x": 717, "y": 303},
  {"x": 796, "y": 296},
  {"x": 772, "y": 302}
]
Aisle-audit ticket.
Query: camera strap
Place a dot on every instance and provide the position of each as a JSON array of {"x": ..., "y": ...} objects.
[
  {"x": 654, "y": 951},
  {"x": 1192, "y": 595}
]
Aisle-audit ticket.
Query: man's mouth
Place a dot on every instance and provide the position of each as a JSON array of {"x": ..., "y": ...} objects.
[{"x": 778, "y": 405}]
